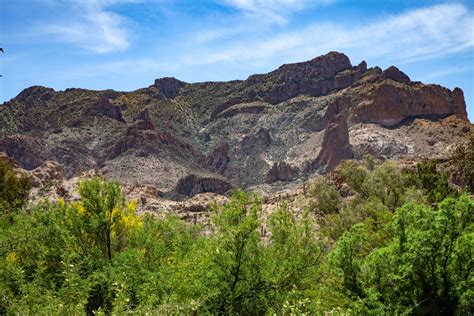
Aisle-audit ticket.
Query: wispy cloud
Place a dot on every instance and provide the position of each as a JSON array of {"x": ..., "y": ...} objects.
[
  {"x": 413, "y": 35},
  {"x": 447, "y": 71},
  {"x": 274, "y": 10},
  {"x": 93, "y": 27}
]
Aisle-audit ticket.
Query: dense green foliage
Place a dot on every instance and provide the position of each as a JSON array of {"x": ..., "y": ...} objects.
[
  {"x": 463, "y": 159},
  {"x": 400, "y": 243},
  {"x": 14, "y": 189}
]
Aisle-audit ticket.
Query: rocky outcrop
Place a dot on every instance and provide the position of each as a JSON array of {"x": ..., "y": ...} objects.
[
  {"x": 48, "y": 172},
  {"x": 142, "y": 122},
  {"x": 194, "y": 184},
  {"x": 253, "y": 143},
  {"x": 335, "y": 147},
  {"x": 395, "y": 74},
  {"x": 318, "y": 120},
  {"x": 251, "y": 108},
  {"x": 34, "y": 95},
  {"x": 224, "y": 106},
  {"x": 281, "y": 171},
  {"x": 219, "y": 158},
  {"x": 104, "y": 108},
  {"x": 169, "y": 87},
  {"x": 141, "y": 125},
  {"x": 389, "y": 104},
  {"x": 200, "y": 203},
  {"x": 144, "y": 115},
  {"x": 27, "y": 150},
  {"x": 146, "y": 142},
  {"x": 315, "y": 78}
]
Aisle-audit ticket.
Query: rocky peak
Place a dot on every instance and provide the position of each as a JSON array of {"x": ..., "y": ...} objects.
[
  {"x": 325, "y": 66},
  {"x": 317, "y": 77},
  {"x": 396, "y": 74},
  {"x": 169, "y": 86},
  {"x": 460, "y": 104},
  {"x": 34, "y": 94}
]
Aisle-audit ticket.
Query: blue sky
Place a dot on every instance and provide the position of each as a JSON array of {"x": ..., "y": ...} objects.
[{"x": 126, "y": 44}]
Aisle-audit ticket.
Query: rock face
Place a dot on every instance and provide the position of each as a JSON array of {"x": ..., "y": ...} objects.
[
  {"x": 169, "y": 87},
  {"x": 48, "y": 172},
  {"x": 394, "y": 73},
  {"x": 28, "y": 151},
  {"x": 193, "y": 184},
  {"x": 268, "y": 130},
  {"x": 105, "y": 108},
  {"x": 35, "y": 94},
  {"x": 281, "y": 171},
  {"x": 335, "y": 147},
  {"x": 219, "y": 159},
  {"x": 389, "y": 104}
]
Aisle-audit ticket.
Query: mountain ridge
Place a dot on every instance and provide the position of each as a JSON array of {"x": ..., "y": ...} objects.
[{"x": 282, "y": 126}]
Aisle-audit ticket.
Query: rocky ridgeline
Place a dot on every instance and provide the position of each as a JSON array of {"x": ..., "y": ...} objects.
[{"x": 264, "y": 132}]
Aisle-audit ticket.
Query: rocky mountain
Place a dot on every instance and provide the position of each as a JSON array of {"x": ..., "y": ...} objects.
[{"x": 180, "y": 139}]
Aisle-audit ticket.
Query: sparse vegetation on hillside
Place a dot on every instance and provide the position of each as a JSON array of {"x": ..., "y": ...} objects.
[{"x": 394, "y": 243}]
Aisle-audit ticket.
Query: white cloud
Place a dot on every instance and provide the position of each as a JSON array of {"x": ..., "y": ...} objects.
[
  {"x": 93, "y": 27},
  {"x": 413, "y": 35}
]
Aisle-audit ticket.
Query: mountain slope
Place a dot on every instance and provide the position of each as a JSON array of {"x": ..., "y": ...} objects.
[{"x": 187, "y": 138}]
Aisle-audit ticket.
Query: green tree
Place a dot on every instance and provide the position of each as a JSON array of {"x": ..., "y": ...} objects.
[
  {"x": 347, "y": 257},
  {"x": 324, "y": 196},
  {"x": 354, "y": 174},
  {"x": 386, "y": 183},
  {"x": 292, "y": 260},
  {"x": 435, "y": 184},
  {"x": 236, "y": 257},
  {"x": 14, "y": 189},
  {"x": 102, "y": 218},
  {"x": 463, "y": 159},
  {"x": 427, "y": 268}
]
